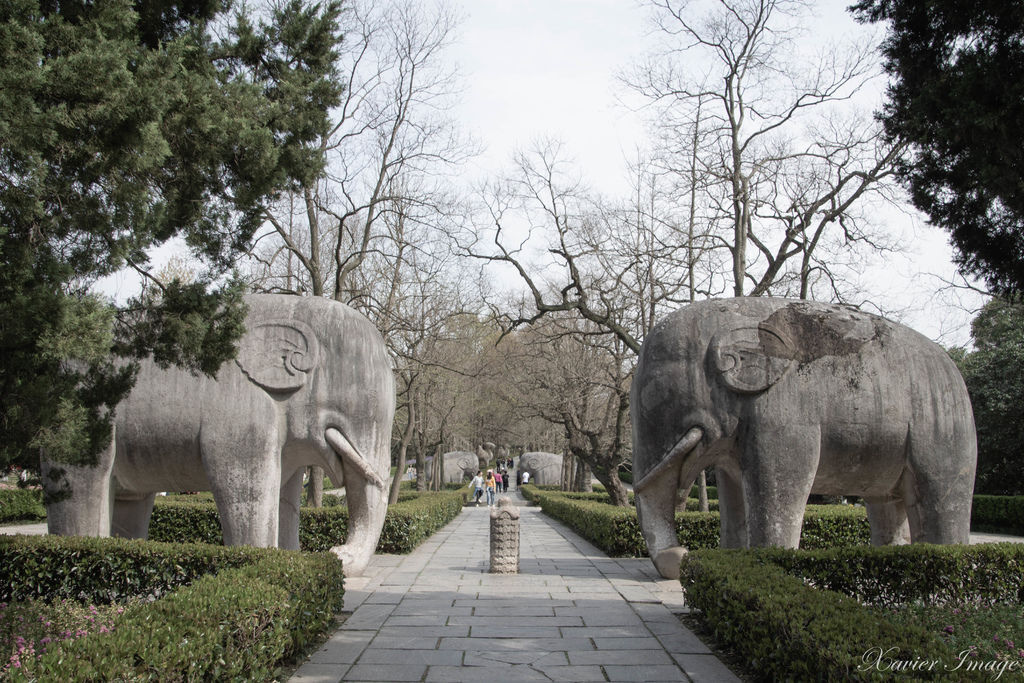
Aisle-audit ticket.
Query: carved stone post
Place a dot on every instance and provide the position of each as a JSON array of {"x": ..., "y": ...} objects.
[{"x": 505, "y": 537}]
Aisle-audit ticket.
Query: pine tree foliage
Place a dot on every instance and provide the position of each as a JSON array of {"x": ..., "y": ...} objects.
[
  {"x": 957, "y": 95},
  {"x": 123, "y": 125},
  {"x": 994, "y": 374}
]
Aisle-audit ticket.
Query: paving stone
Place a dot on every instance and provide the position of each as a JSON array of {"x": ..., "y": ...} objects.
[
  {"x": 498, "y": 631},
  {"x": 518, "y": 644},
  {"x": 573, "y": 673},
  {"x": 639, "y": 643},
  {"x": 387, "y": 672},
  {"x": 701, "y": 668},
  {"x": 476, "y": 674},
  {"x": 368, "y": 616},
  {"x": 319, "y": 673},
  {"x": 645, "y": 672},
  {"x": 612, "y": 657},
  {"x": 344, "y": 647},
  {"x": 407, "y": 656}
]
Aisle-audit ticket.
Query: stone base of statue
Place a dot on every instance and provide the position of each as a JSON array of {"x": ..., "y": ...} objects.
[{"x": 505, "y": 537}]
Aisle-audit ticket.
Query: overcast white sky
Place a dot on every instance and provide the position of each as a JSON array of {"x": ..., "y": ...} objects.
[{"x": 536, "y": 68}]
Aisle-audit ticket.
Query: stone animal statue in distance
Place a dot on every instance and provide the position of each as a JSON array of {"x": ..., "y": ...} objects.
[
  {"x": 457, "y": 466},
  {"x": 545, "y": 468},
  {"x": 312, "y": 385},
  {"x": 787, "y": 398}
]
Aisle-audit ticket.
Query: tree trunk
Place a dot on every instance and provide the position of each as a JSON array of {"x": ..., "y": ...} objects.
[
  {"x": 315, "y": 492},
  {"x": 584, "y": 478},
  {"x": 702, "y": 480},
  {"x": 396, "y": 483}
]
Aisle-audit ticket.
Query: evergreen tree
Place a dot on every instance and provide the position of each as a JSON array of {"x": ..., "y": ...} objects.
[
  {"x": 994, "y": 374},
  {"x": 957, "y": 96},
  {"x": 122, "y": 125}
]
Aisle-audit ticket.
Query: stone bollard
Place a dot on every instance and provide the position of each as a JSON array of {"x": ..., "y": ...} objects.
[{"x": 505, "y": 537}]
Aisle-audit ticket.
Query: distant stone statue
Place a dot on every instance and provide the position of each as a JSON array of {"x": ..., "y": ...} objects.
[
  {"x": 312, "y": 385},
  {"x": 458, "y": 466},
  {"x": 545, "y": 468},
  {"x": 789, "y": 398},
  {"x": 484, "y": 454}
]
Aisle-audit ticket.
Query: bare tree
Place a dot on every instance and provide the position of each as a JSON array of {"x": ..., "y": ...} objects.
[
  {"x": 392, "y": 141},
  {"x": 781, "y": 174}
]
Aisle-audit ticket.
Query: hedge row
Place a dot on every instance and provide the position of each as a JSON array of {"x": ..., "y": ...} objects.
[
  {"x": 408, "y": 522},
  {"x": 758, "y": 604},
  {"x": 21, "y": 505},
  {"x": 998, "y": 514},
  {"x": 241, "y": 611},
  {"x": 616, "y": 530}
]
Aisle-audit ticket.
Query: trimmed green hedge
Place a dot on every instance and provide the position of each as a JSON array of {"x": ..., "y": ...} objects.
[
  {"x": 21, "y": 505},
  {"x": 758, "y": 603},
  {"x": 616, "y": 530},
  {"x": 998, "y": 514},
  {"x": 241, "y": 611},
  {"x": 408, "y": 522}
]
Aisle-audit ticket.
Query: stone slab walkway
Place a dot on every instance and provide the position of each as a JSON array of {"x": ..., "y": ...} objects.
[{"x": 571, "y": 614}]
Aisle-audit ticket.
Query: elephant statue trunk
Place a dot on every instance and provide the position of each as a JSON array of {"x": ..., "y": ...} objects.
[{"x": 786, "y": 398}]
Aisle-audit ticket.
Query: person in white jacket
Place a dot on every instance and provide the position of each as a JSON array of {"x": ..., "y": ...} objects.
[{"x": 478, "y": 487}]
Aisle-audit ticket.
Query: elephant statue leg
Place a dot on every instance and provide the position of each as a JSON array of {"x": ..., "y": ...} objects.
[
  {"x": 79, "y": 499},
  {"x": 776, "y": 494},
  {"x": 247, "y": 500},
  {"x": 131, "y": 514},
  {"x": 888, "y": 521},
  {"x": 731, "y": 508},
  {"x": 288, "y": 512},
  {"x": 939, "y": 499}
]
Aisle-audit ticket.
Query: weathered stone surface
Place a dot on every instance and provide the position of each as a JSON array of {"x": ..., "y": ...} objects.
[
  {"x": 788, "y": 398},
  {"x": 458, "y": 465},
  {"x": 505, "y": 537},
  {"x": 312, "y": 385},
  {"x": 545, "y": 468}
]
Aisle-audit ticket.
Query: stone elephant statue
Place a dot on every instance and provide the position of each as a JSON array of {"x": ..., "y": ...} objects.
[
  {"x": 457, "y": 465},
  {"x": 545, "y": 468},
  {"x": 312, "y": 385},
  {"x": 787, "y": 398}
]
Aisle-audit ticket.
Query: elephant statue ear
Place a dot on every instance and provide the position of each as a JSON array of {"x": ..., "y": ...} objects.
[
  {"x": 751, "y": 359},
  {"x": 278, "y": 355}
]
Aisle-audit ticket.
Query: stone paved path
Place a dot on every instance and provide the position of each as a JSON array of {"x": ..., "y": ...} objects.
[{"x": 571, "y": 614}]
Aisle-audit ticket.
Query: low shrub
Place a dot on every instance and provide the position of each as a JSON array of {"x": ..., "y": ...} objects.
[
  {"x": 21, "y": 505},
  {"x": 408, "y": 522},
  {"x": 695, "y": 492},
  {"x": 781, "y": 611},
  {"x": 240, "y": 610},
  {"x": 616, "y": 530},
  {"x": 998, "y": 514}
]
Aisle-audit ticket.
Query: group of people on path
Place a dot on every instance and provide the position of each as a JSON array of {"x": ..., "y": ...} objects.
[{"x": 493, "y": 482}]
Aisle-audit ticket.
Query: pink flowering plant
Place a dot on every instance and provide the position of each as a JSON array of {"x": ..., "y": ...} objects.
[
  {"x": 28, "y": 629},
  {"x": 991, "y": 633}
]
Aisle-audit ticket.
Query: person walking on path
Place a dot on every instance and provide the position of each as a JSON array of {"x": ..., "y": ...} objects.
[
  {"x": 478, "y": 487},
  {"x": 489, "y": 485},
  {"x": 526, "y": 477}
]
